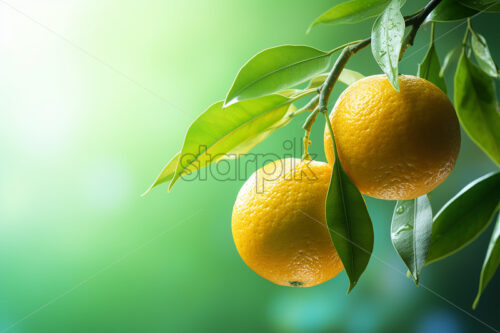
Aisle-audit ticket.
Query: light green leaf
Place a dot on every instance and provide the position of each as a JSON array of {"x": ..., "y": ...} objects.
[
  {"x": 464, "y": 217},
  {"x": 387, "y": 39},
  {"x": 450, "y": 10},
  {"x": 411, "y": 231},
  {"x": 352, "y": 11},
  {"x": 349, "y": 223},
  {"x": 491, "y": 262},
  {"x": 430, "y": 67},
  {"x": 236, "y": 129},
  {"x": 166, "y": 174},
  {"x": 289, "y": 92},
  {"x": 477, "y": 107},
  {"x": 451, "y": 55},
  {"x": 347, "y": 77},
  {"x": 276, "y": 69},
  {"x": 483, "y": 55},
  {"x": 488, "y": 6}
]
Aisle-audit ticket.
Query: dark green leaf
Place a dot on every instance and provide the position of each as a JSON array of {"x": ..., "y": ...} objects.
[
  {"x": 477, "y": 108},
  {"x": 451, "y": 55},
  {"x": 347, "y": 77},
  {"x": 430, "y": 67},
  {"x": 349, "y": 223},
  {"x": 464, "y": 217},
  {"x": 221, "y": 132},
  {"x": 387, "y": 38},
  {"x": 166, "y": 174},
  {"x": 352, "y": 11},
  {"x": 483, "y": 55},
  {"x": 411, "y": 232},
  {"x": 450, "y": 10},
  {"x": 487, "y": 6},
  {"x": 276, "y": 69},
  {"x": 491, "y": 261}
]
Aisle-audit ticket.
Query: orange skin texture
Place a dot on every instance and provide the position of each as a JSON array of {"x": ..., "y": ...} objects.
[
  {"x": 394, "y": 146},
  {"x": 279, "y": 225}
]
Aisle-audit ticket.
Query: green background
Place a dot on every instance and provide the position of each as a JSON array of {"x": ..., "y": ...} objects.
[{"x": 95, "y": 97}]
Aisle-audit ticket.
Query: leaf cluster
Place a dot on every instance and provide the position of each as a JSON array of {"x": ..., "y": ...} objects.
[{"x": 262, "y": 97}]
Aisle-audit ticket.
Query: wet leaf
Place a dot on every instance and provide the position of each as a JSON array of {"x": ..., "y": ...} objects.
[
  {"x": 387, "y": 39},
  {"x": 411, "y": 231}
]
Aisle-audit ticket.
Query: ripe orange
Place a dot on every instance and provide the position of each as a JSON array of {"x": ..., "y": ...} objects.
[
  {"x": 279, "y": 225},
  {"x": 394, "y": 146}
]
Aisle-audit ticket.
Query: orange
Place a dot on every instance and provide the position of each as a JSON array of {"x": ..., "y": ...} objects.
[
  {"x": 394, "y": 146},
  {"x": 279, "y": 225}
]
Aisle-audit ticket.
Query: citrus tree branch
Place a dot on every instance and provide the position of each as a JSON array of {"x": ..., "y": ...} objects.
[{"x": 415, "y": 21}]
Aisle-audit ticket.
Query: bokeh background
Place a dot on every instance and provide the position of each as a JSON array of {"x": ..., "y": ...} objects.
[{"x": 95, "y": 97}]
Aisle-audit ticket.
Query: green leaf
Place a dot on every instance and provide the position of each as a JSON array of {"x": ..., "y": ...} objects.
[
  {"x": 347, "y": 77},
  {"x": 166, "y": 174},
  {"x": 430, "y": 67},
  {"x": 483, "y": 55},
  {"x": 276, "y": 69},
  {"x": 491, "y": 261},
  {"x": 487, "y": 6},
  {"x": 352, "y": 11},
  {"x": 477, "y": 108},
  {"x": 387, "y": 38},
  {"x": 464, "y": 217},
  {"x": 349, "y": 223},
  {"x": 411, "y": 231},
  {"x": 450, "y": 10},
  {"x": 451, "y": 55},
  {"x": 219, "y": 131}
]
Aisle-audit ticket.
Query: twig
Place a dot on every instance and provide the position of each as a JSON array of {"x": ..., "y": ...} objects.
[
  {"x": 307, "y": 127},
  {"x": 415, "y": 21}
]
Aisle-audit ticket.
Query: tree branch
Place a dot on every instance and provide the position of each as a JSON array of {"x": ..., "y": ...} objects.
[{"x": 415, "y": 21}]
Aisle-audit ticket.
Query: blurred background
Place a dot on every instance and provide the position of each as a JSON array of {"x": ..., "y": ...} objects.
[{"x": 95, "y": 97}]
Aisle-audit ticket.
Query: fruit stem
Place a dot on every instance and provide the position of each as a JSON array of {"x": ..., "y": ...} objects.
[
  {"x": 330, "y": 129},
  {"x": 334, "y": 74},
  {"x": 307, "y": 127},
  {"x": 310, "y": 106},
  {"x": 343, "y": 46},
  {"x": 415, "y": 21}
]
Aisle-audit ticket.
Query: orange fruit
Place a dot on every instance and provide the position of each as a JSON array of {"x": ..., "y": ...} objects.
[
  {"x": 279, "y": 224},
  {"x": 394, "y": 146}
]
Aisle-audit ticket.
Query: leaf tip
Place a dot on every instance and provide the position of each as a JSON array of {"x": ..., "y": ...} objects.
[
  {"x": 416, "y": 279},
  {"x": 352, "y": 284},
  {"x": 308, "y": 30},
  {"x": 229, "y": 101},
  {"x": 147, "y": 191},
  {"x": 150, "y": 187},
  {"x": 476, "y": 301},
  {"x": 172, "y": 182}
]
